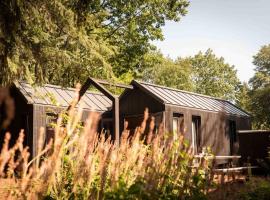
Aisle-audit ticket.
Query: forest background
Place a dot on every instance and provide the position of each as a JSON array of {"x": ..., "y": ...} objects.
[{"x": 65, "y": 41}]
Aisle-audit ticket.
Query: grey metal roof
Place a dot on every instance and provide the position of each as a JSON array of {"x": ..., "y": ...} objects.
[
  {"x": 188, "y": 99},
  {"x": 56, "y": 95}
]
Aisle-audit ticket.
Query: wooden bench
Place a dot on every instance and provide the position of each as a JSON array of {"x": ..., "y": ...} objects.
[
  {"x": 230, "y": 173},
  {"x": 212, "y": 157}
]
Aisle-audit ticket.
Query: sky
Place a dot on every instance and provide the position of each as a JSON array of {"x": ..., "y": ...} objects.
[{"x": 233, "y": 29}]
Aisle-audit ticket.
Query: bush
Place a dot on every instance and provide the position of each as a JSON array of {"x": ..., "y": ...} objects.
[{"x": 259, "y": 190}]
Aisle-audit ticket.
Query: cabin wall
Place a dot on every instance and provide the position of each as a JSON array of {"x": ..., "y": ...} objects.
[
  {"x": 136, "y": 101},
  {"x": 214, "y": 127},
  {"x": 22, "y": 119},
  {"x": 40, "y": 115},
  {"x": 43, "y": 114},
  {"x": 250, "y": 141},
  {"x": 133, "y": 105},
  {"x": 136, "y": 121}
]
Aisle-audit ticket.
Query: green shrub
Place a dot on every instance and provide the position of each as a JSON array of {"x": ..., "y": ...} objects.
[{"x": 256, "y": 191}]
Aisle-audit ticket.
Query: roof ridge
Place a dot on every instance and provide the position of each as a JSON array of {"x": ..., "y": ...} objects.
[
  {"x": 60, "y": 87},
  {"x": 184, "y": 91}
]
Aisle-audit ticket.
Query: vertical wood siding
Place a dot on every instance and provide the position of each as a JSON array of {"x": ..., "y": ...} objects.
[{"x": 214, "y": 125}]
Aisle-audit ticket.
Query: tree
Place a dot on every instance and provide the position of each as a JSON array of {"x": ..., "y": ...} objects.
[
  {"x": 243, "y": 96},
  {"x": 165, "y": 71},
  {"x": 203, "y": 73},
  {"x": 41, "y": 42},
  {"x": 131, "y": 25},
  {"x": 212, "y": 76},
  {"x": 260, "y": 107},
  {"x": 64, "y": 41},
  {"x": 260, "y": 89}
]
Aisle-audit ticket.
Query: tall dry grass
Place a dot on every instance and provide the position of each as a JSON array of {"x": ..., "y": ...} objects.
[{"x": 83, "y": 164}]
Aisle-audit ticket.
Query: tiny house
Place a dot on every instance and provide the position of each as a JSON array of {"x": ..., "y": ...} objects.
[
  {"x": 37, "y": 107},
  {"x": 205, "y": 121}
]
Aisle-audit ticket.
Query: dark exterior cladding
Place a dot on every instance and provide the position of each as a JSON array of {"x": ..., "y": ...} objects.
[
  {"x": 52, "y": 95},
  {"x": 205, "y": 121},
  {"x": 38, "y": 106},
  {"x": 175, "y": 97}
]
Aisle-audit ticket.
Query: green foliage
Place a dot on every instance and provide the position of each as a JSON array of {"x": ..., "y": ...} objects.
[
  {"x": 262, "y": 62},
  {"x": 243, "y": 96},
  {"x": 260, "y": 89},
  {"x": 203, "y": 73},
  {"x": 258, "y": 191},
  {"x": 45, "y": 44},
  {"x": 165, "y": 71},
  {"x": 260, "y": 107},
  {"x": 212, "y": 76},
  {"x": 155, "y": 174},
  {"x": 130, "y": 25},
  {"x": 64, "y": 41}
]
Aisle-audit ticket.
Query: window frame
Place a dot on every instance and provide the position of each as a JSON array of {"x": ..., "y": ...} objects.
[
  {"x": 232, "y": 134},
  {"x": 196, "y": 133},
  {"x": 180, "y": 123}
]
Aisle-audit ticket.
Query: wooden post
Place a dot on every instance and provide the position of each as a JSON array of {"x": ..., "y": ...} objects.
[
  {"x": 116, "y": 120},
  {"x": 98, "y": 85}
]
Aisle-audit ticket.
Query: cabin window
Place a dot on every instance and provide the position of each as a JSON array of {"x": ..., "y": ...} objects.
[
  {"x": 196, "y": 132},
  {"x": 232, "y": 133},
  {"x": 178, "y": 123},
  {"x": 51, "y": 120}
]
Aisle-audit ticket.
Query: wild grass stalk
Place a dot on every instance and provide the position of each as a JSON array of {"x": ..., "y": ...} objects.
[{"x": 80, "y": 163}]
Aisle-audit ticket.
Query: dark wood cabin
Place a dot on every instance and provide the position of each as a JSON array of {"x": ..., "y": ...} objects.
[
  {"x": 37, "y": 107},
  {"x": 206, "y": 121},
  {"x": 254, "y": 146}
]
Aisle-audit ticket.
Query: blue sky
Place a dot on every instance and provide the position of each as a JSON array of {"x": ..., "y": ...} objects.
[{"x": 234, "y": 29}]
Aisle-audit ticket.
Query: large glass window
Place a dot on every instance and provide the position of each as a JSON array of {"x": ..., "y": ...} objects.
[
  {"x": 178, "y": 123},
  {"x": 196, "y": 134},
  {"x": 51, "y": 120},
  {"x": 232, "y": 133}
]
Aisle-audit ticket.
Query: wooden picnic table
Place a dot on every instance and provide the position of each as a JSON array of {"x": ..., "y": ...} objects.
[{"x": 234, "y": 169}]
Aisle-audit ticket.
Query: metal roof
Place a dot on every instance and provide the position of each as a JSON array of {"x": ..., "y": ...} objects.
[
  {"x": 177, "y": 97},
  {"x": 254, "y": 131},
  {"x": 56, "y": 95}
]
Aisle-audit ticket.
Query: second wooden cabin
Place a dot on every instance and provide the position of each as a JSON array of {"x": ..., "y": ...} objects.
[{"x": 206, "y": 121}]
